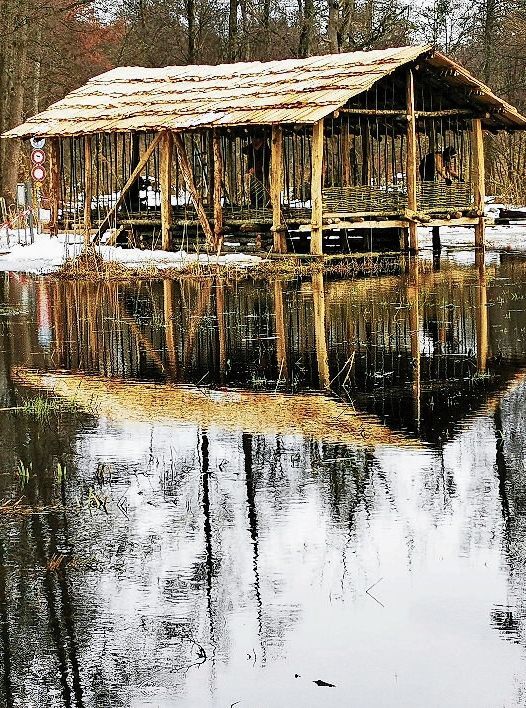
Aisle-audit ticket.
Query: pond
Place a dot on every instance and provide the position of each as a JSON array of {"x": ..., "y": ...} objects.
[{"x": 300, "y": 492}]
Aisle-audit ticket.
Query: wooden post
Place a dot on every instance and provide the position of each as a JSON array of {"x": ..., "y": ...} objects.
[
  {"x": 410, "y": 168},
  {"x": 346, "y": 155},
  {"x": 281, "y": 341},
  {"x": 87, "y": 189},
  {"x": 218, "y": 190},
  {"x": 437, "y": 246},
  {"x": 276, "y": 184},
  {"x": 165, "y": 179},
  {"x": 316, "y": 234},
  {"x": 130, "y": 181},
  {"x": 54, "y": 185},
  {"x": 186, "y": 171},
  {"x": 479, "y": 186},
  {"x": 322, "y": 358},
  {"x": 366, "y": 145}
]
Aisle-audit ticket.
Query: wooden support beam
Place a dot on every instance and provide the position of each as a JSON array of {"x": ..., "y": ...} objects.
[
  {"x": 54, "y": 184},
  {"x": 165, "y": 179},
  {"x": 186, "y": 171},
  {"x": 217, "y": 190},
  {"x": 129, "y": 182},
  {"x": 346, "y": 155},
  {"x": 276, "y": 185},
  {"x": 366, "y": 149},
  {"x": 88, "y": 191},
  {"x": 479, "y": 185},
  {"x": 316, "y": 244},
  {"x": 411, "y": 167}
]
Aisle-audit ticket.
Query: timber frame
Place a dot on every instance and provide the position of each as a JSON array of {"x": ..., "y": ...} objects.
[{"x": 338, "y": 165}]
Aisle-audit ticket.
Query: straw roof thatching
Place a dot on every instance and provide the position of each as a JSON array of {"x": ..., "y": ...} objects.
[
  {"x": 294, "y": 91},
  {"x": 312, "y": 416}
]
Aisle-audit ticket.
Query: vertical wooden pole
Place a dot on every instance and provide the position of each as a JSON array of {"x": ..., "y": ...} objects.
[
  {"x": 88, "y": 192},
  {"x": 276, "y": 184},
  {"x": 479, "y": 186},
  {"x": 281, "y": 341},
  {"x": 218, "y": 190},
  {"x": 410, "y": 168},
  {"x": 165, "y": 178},
  {"x": 54, "y": 185},
  {"x": 366, "y": 149},
  {"x": 346, "y": 154},
  {"x": 316, "y": 237},
  {"x": 322, "y": 358}
]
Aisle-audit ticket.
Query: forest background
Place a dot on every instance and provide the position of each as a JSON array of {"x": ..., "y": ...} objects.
[{"x": 49, "y": 48}]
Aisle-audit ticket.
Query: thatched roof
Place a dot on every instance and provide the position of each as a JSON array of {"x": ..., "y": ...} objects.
[
  {"x": 313, "y": 416},
  {"x": 294, "y": 91}
]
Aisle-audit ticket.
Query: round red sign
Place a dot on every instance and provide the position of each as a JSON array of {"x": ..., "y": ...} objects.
[
  {"x": 38, "y": 157},
  {"x": 38, "y": 173}
]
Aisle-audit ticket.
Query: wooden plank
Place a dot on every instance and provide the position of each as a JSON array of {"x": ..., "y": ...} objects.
[
  {"x": 88, "y": 193},
  {"x": 217, "y": 190},
  {"x": 411, "y": 167},
  {"x": 129, "y": 182},
  {"x": 276, "y": 185},
  {"x": 186, "y": 171},
  {"x": 54, "y": 184},
  {"x": 165, "y": 179},
  {"x": 316, "y": 245},
  {"x": 479, "y": 185}
]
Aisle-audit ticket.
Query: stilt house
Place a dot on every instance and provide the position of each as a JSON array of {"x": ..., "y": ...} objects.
[{"x": 284, "y": 150}]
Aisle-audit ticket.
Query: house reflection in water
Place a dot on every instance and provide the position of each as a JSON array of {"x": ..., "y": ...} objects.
[{"x": 216, "y": 491}]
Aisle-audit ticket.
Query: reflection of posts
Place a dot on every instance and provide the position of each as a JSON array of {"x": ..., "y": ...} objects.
[
  {"x": 413, "y": 283},
  {"x": 482, "y": 320},
  {"x": 221, "y": 330},
  {"x": 169, "y": 327},
  {"x": 281, "y": 341},
  {"x": 318, "y": 298}
]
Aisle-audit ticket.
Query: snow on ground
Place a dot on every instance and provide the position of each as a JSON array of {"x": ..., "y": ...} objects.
[{"x": 47, "y": 254}]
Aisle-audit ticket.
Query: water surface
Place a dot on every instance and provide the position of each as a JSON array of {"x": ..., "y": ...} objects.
[{"x": 195, "y": 519}]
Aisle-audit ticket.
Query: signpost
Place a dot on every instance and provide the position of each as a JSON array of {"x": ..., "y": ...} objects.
[{"x": 38, "y": 174}]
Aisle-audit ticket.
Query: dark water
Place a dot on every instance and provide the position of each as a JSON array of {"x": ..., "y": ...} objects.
[{"x": 233, "y": 540}]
